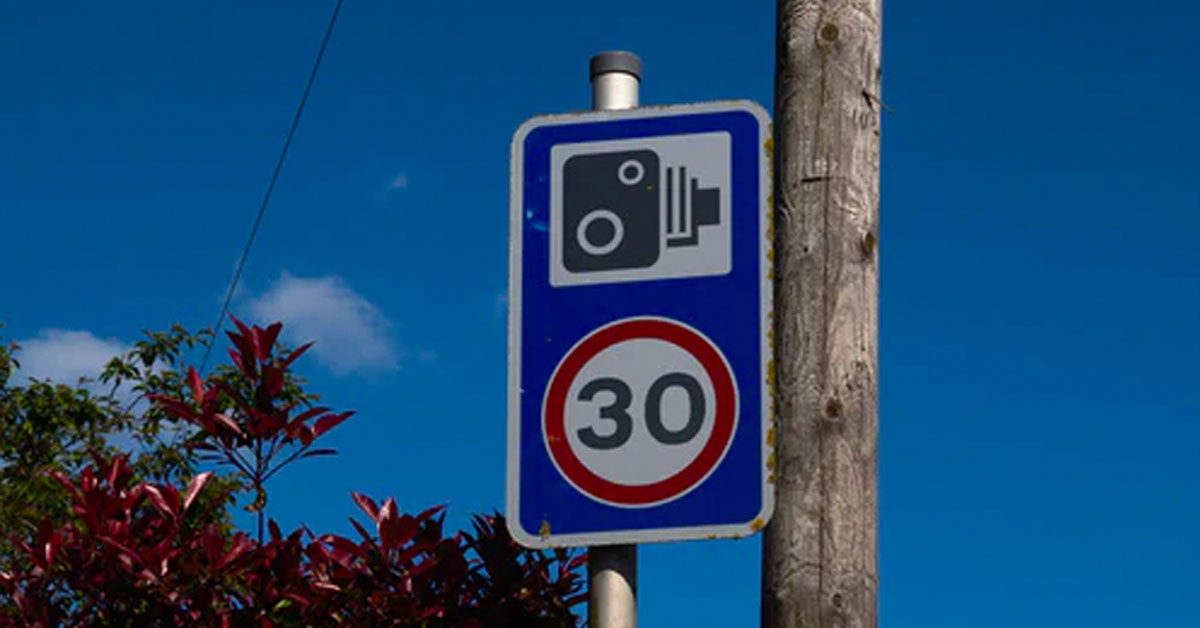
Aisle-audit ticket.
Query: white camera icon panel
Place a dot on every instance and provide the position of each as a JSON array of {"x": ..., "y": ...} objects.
[{"x": 640, "y": 209}]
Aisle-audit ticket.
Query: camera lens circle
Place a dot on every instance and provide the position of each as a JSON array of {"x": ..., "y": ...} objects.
[
  {"x": 631, "y": 172},
  {"x": 618, "y": 232}
]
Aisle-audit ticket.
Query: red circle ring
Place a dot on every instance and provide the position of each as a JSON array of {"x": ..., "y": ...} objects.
[{"x": 725, "y": 413}]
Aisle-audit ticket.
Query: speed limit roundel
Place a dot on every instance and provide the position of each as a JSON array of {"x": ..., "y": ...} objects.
[{"x": 639, "y": 412}]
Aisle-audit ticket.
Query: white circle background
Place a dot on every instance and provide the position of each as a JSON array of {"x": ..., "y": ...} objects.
[{"x": 642, "y": 459}]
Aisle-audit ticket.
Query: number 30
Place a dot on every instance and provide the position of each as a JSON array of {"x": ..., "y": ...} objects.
[{"x": 618, "y": 411}]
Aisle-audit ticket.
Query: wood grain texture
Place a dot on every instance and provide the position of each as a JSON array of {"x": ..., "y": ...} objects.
[{"x": 819, "y": 551}]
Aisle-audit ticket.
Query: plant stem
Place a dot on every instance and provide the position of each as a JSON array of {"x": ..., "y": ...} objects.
[{"x": 258, "y": 482}]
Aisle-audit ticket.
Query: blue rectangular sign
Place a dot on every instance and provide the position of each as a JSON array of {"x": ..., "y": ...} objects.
[{"x": 639, "y": 326}]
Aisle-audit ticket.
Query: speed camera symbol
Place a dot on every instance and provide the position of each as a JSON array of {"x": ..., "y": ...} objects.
[{"x": 613, "y": 210}]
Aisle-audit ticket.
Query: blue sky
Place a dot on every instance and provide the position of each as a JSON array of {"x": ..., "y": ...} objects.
[{"x": 1040, "y": 292}]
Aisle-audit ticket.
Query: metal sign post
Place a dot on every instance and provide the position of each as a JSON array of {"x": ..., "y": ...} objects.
[{"x": 612, "y": 569}]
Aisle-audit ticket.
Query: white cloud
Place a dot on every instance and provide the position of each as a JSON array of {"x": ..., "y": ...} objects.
[
  {"x": 65, "y": 355},
  {"x": 400, "y": 182},
  {"x": 351, "y": 333}
]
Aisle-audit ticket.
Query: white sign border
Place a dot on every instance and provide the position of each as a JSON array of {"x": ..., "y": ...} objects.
[{"x": 766, "y": 289}]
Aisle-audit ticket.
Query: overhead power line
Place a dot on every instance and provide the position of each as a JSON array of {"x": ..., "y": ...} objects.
[{"x": 262, "y": 208}]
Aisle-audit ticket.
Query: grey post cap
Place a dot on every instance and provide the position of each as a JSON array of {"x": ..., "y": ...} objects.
[{"x": 616, "y": 61}]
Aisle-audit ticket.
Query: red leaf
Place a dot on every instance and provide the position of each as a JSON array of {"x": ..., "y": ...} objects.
[
  {"x": 159, "y": 499},
  {"x": 118, "y": 473},
  {"x": 209, "y": 425},
  {"x": 394, "y": 530},
  {"x": 326, "y": 423},
  {"x": 306, "y": 435},
  {"x": 212, "y": 543},
  {"x": 361, "y": 531},
  {"x": 256, "y": 342},
  {"x": 241, "y": 545},
  {"x": 229, "y": 423},
  {"x": 267, "y": 340},
  {"x": 195, "y": 383},
  {"x": 292, "y": 430},
  {"x": 256, "y": 423},
  {"x": 174, "y": 407},
  {"x": 120, "y": 547},
  {"x": 172, "y": 496},
  {"x": 243, "y": 355},
  {"x": 389, "y": 510},
  {"x": 272, "y": 380},
  {"x": 367, "y": 504},
  {"x": 246, "y": 333},
  {"x": 310, "y": 413},
  {"x": 193, "y": 488},
  {"x": 62, "y": 479},
  {"x": 50, "y": 547},
  {"x": 429, "y": 512},
  {"x": 246, "y": 342},
  {"x": 432, "y": 611},
  {"x": 236, "y": 356},
  {"x": 295, "y": 354},
  {"x": 343, "y": 549},
  {"x": 87, "y": 479}
]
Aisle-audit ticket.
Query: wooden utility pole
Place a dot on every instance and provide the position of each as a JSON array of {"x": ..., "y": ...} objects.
[{"x": 819, "y": 552}]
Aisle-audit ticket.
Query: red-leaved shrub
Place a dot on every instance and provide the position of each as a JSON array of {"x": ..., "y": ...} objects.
[{"x": 146, "y": 554}]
